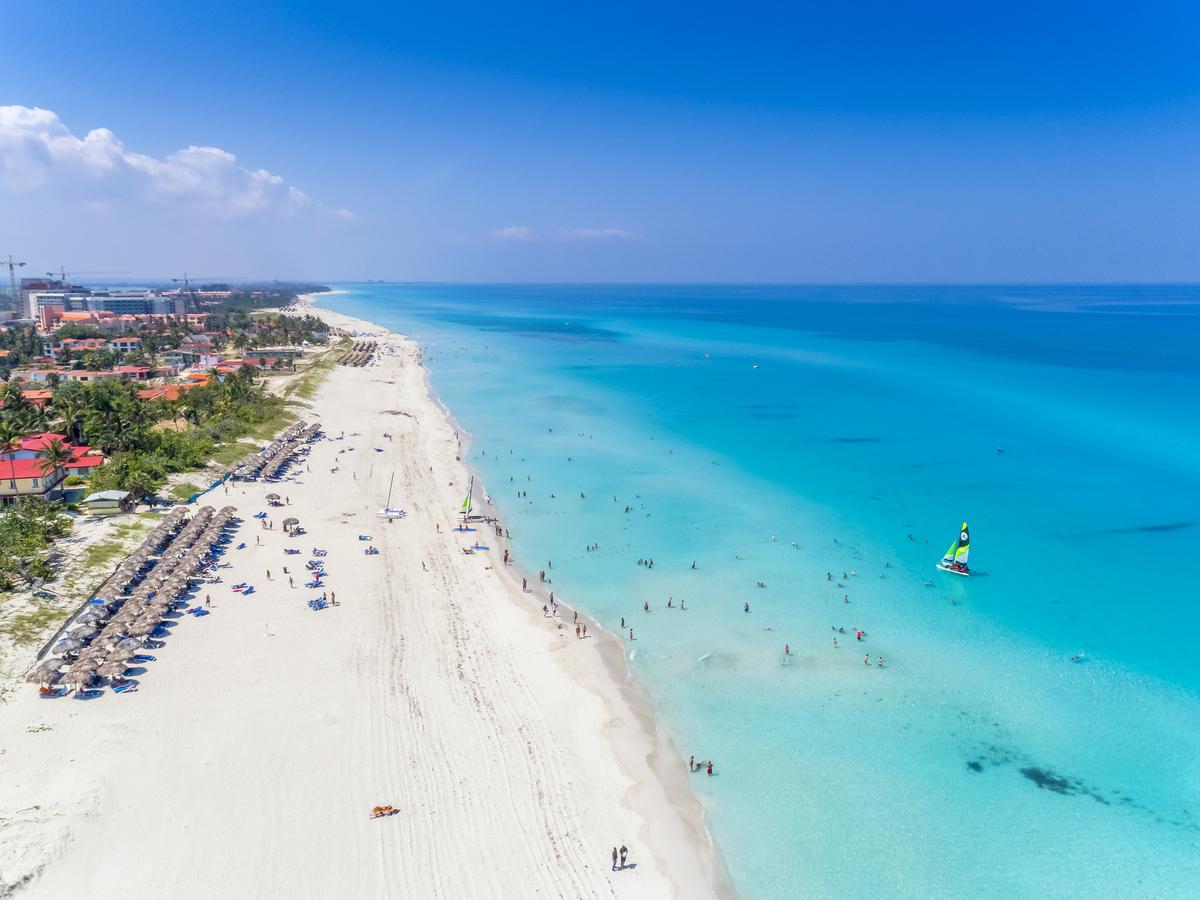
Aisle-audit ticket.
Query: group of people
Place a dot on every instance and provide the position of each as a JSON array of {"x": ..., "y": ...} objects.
[
  {"x": 619, "y": 855},
  {"x": 694, "y": 766}
]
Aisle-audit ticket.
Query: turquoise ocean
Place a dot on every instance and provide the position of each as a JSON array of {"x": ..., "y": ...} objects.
[{"x": 786, "y": 434}]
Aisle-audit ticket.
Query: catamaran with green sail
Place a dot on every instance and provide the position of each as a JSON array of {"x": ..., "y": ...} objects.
[
  {"x": 465, "y": 509},
  {"x": 955, "y": 559}
]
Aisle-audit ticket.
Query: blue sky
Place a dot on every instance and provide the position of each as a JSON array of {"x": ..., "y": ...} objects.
[{"x": 858, "y": 142}]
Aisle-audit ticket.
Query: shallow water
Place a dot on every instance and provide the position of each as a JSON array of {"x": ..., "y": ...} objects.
[{"x": 776, "y": 434}]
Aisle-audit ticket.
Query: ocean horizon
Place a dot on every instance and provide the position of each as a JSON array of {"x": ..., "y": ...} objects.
[{"x": 810, "y": 452}]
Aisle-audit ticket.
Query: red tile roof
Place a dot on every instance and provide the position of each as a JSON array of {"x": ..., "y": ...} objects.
[
  {"x": 21, "y": 468},
  {"x": 41, "y": 441}
]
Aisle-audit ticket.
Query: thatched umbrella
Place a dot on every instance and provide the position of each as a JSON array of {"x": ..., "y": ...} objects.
[
  {"x": 142, "y": 627},
  {"x": 68, "y": 645},
  {"x": 81, "y": 673},
  {"x": 273, "y": 497},
  {"x": 84, "y": 632},
  {"x": 40, "y": 675},
  {"x": 108, "y": 639},
  {"x": 112, "y": 669},
  {"x": 133, "y": 645},
  {"x": 48, "y": 670},
  {"x": 92, "y": 615},
  {"x": 290, "y": 521}
]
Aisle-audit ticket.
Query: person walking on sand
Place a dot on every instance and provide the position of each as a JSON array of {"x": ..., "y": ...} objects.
[
  {"x": 614, "y": 868},
  {"x": 291, "y": 582},
  {"x": 624, "y": 853},
  {"x": 692, "y": 763}
]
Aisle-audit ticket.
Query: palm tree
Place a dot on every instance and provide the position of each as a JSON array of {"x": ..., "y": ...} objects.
[
  {"x": 70, "y": 414},
  {"x": 34, "y": 419},
  {"x": 13, "y": 400},
  {"x": 54, "y": 456}
]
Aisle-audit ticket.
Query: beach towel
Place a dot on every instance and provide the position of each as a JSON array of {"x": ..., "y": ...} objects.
[
  {"x": 241, "y": 546},
  {"x": 144, "y": 658},
  {"x": 125, "y": 687}
]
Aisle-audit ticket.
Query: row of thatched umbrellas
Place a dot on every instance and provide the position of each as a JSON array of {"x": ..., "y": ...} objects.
[
  {"x": 268, "y": 461},
  {"x": 359, "y": 354},
  {"x": 285, "y": 454},
  {"x": 111, "y": 629}
]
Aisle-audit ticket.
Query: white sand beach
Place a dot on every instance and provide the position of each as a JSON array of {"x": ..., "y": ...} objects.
[{"x": 247, "y": 762}]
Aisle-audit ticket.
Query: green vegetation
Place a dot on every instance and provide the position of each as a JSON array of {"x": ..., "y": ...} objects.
[
  {"x": 28, "y": 627},
  {"x": 305, "y": 386},
  {"x": 104, "y": 554},
  {"x": 217, "y": 415},
  {"x": 27, "y": 529},
  {"x": 184, "y": 490}
]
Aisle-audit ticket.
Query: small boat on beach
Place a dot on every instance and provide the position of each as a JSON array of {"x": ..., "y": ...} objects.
[{"x": 955, "y": 559}]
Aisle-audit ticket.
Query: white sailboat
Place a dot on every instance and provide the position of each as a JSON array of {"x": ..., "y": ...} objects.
[
  {"x": 955, "y": 559},
  {"x": 389, "y": 511}
]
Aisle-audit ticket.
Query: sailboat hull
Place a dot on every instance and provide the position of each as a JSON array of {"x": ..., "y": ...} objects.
[{"x": 963, "y": 572}]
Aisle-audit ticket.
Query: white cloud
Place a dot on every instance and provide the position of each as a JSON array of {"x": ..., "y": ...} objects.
[
  {"x": 38, "y": 152},
  {"x": 601, "y": 234},
  {"x": 514, "y": 233}
]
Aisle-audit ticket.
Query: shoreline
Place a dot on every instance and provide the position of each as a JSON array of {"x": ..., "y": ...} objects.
[
  {"x": 515, "y": 757},
  {"x": 652, "y": 746}
]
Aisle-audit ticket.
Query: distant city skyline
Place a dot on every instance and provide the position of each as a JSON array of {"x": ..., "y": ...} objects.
[{"x": 811, "y": 143}]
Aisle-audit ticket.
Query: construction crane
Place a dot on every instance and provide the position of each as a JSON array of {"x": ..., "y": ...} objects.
[
  {"x": 62, "y": 274},
  {"x": 187, "y": 286},
  {"x": 12, "y": 280}
]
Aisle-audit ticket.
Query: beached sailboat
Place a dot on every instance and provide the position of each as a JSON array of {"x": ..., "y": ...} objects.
[
  {"x": 389, "y": 511},
  {"x": 955, "y": 559},
  {"x": 465, "y": 509}
]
